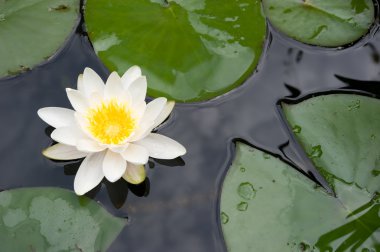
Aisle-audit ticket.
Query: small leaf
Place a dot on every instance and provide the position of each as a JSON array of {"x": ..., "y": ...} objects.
[
  {"x": 32, "y": 31},
  {"x": 318, "y": 22},
  {"x": 54, "y": 219}
]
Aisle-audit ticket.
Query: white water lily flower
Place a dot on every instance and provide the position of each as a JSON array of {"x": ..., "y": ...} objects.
[{"x": 111, "y": 127}]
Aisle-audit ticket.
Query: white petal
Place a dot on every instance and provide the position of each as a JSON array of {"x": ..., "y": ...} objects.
[
  {"x": 63, "y": 152},
  {"x": 83, "y": 126},
  {"x": 154, "y": 109},
  {"x": 92, "y": 82},
  {"x": 114, "y": 166},
  {"x": 139, "y": 110},
  {"x": 147, "y": 122},
  {"x": 95, "y": 99},
  {"x": 57, "y": 117},
  {"x": 80, "y": 86},
  {"x": 142, "y": 131},
  {"x": 114, "y": 86},
  {"x": 162, "y": 147},
  {"x": 164, "y": 113},
  {"x": 90, "y": 173},
  {"x": 130, "y": 75},
  {"x": 137, "y": 89},
  {"x": 89, "y": 145},
  {"x": 123, "y": 97},
  {"x": 135, "y": 174},
  {"x": 77, "y": 100},
  {"x": 136, "y": 154},
  {"x": 83, "y": 123},
  {"x": 118, "y": 148},
  {"x": 67, "y": 135}
]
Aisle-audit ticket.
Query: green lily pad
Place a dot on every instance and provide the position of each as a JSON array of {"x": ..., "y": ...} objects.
[
  {"x": 190, "y": 50},
  {"x": 319, "y": 22},
  {"x": 341, "y": 134},
  {"x": 289, "y": 212},
  {"x": 54, "y": 219},
  {"x": 32, "y": 31}
]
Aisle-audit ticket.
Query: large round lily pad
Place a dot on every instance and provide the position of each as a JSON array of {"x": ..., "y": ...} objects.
[
  {"x": 269, "y": 206},
  {"x": 32, "y": 31},
  {"x": 54, "y": 219},
  {"x": 190, "y": 50},
  {"x": 329, "y": 23}
]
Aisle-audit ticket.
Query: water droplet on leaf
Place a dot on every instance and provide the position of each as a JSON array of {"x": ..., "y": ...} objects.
[
  {"x": 297, "y": 129},
  {"x": 61, "y": 7},
  {"x": 224, "y": 217},
  {"x": 355, "y": 105},
  {"x": 246, "y": 191},
  {"x": 375, "y": 173},
  {"x": 316, "y": 151},
  {"x": 242, "y": 206},
  {"x": 266, "y": 156}
]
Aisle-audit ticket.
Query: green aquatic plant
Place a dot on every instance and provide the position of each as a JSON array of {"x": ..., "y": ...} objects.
[
  {"x": 54, "y": 219},
  {"x": 318, "y": 22},
  {"x": 32, "y": 31},
  {"x": 290, "y": 212},
  {"x": 190, "y": 50}
]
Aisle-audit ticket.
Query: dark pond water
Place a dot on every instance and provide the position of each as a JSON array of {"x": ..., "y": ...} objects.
[{"x": 177, "y": 210}]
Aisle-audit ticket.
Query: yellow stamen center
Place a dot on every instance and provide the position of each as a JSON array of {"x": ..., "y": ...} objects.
[{"x": 111, "y": 122}]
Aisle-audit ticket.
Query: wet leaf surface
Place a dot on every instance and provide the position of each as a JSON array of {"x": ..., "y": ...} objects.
[
  {"x": 289, "y": 211},
  {"x": 318, "y": 22},
  {"x": 341, "y": 134},
  {"x": 189, "y": 50},
  {"x": 54, "y": 219},
  {"x": 32, "y": 31}
]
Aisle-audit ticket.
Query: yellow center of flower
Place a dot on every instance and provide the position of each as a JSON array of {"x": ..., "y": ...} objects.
[{"x": 111, "y": 122}]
